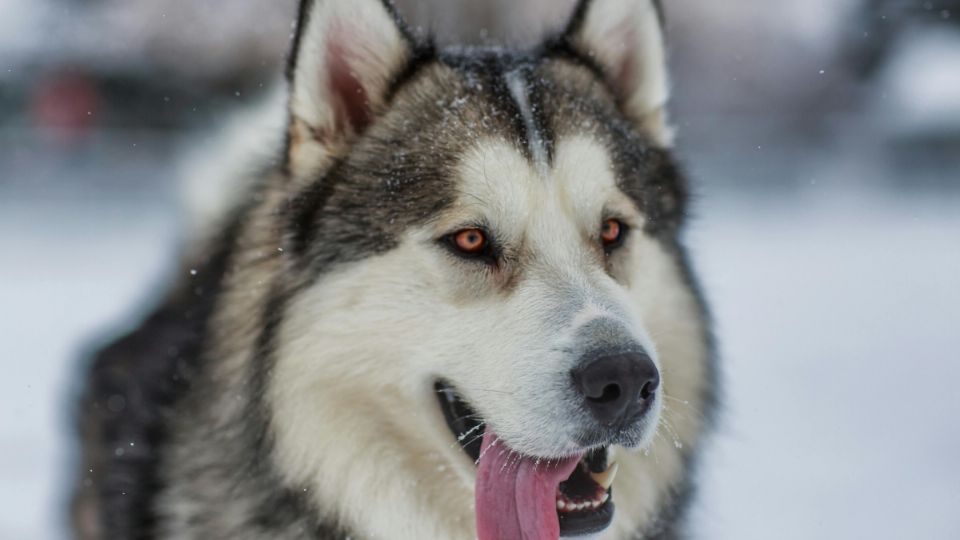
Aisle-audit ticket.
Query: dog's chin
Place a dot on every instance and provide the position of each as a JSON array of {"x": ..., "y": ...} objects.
[{"x": 584, "y": 503}]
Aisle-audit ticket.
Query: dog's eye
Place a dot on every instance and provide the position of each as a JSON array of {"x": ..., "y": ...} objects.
[
  {"x": 611, "y": 234},
  {"x": 470, "y": 241}
]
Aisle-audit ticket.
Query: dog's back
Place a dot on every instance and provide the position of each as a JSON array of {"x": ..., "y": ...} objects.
[{"x": 132, "y": 386}]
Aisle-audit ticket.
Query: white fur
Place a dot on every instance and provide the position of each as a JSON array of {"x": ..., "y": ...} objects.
[
  {"x": 626, "y": 39},
  {"x": 354, "y": 413},
  {"x": 517, "y": 83}
]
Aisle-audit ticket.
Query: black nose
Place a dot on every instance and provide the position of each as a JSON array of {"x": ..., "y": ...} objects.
[{"x": 617, "y": 387}]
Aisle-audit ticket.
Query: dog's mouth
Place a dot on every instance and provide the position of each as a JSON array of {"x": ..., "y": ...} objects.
[{"x": 522, "y": 496}]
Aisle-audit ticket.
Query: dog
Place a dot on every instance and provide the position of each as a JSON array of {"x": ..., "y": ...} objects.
[{"x": 456, "y": 304}]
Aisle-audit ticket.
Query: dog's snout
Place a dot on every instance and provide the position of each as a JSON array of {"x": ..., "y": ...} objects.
[{"x": 617, "y": 387}]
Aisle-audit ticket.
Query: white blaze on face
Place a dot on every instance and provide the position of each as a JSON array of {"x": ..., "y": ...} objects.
[{"x": 517, "y": 83}]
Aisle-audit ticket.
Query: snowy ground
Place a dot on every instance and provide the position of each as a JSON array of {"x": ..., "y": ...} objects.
[
  {"x": 839, "y": 322},
  {"x": 837, "y": 303},
  {"x": 78, "y": 260}
]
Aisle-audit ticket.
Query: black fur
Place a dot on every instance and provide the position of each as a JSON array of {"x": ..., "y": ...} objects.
[
  {"x": 133, "y": 385},
  {"x": 303, "y": 17},
  {"x": 424, "y": 52},
  {"x": 580, "y": 13}
]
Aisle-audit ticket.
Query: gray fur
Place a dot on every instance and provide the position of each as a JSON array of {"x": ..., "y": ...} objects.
[{"x": 206, "y": 466}]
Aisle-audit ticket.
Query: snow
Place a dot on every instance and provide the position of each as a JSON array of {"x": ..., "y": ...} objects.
[
  {"x": 839, "y": 320},
  {"x": 78, "y": 262},
  {"x": 921, "y": 81}
]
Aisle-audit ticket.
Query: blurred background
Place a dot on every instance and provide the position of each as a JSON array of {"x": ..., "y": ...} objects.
[{"x": 823, "y": 138}]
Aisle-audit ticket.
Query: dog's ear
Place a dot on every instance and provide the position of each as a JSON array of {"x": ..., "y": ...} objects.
[
  {"x": 345, "y": 55},
  {"x": 625, "y": 39}
]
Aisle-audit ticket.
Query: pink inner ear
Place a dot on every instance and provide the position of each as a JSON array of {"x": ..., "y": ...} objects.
[
  {"x": 348, "y": 96},
  {"x": 625, "y": 72}
]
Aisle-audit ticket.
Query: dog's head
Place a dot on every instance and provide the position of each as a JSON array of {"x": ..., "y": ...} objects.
[{"x": 482, "y": 248}]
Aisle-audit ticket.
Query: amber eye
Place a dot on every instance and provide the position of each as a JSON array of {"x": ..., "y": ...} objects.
[
  {"x": 470, "y": 241},
  {"x": 611, "y": 232}
]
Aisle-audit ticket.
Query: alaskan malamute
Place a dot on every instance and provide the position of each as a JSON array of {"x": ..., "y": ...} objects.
[{"x": 456, "y": 305}]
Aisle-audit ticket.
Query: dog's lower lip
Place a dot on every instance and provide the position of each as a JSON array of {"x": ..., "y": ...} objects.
[{"x": 584, "y": 504}]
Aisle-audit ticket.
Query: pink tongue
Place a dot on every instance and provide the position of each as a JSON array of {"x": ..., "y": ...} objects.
[{"x": 516, "y": 495}]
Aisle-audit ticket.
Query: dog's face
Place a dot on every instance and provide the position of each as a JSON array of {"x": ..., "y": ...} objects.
[
  {"x": 485, "y": 250},
  {"x": 532, "y": 269}
]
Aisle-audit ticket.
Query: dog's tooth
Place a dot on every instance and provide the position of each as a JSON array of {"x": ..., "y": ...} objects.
[
  {"x": 605, "y": 478},
  {"x": 561, "y": 505},
  {"x": 604, "y": 498}
]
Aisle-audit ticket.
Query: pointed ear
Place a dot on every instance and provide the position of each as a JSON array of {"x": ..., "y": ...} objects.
[
  {"x": 345, "y": 55},
  {"x": 624, "y": 38}
]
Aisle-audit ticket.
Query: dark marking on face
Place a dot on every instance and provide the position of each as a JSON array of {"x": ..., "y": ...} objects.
[
  {"x": 402, "y": 171},
  {"x": 577, "y": 102},
  {"x": 424, "y": 53},
  {"x": 486, "y": 72},
  {"x": 537, "y": 94}
]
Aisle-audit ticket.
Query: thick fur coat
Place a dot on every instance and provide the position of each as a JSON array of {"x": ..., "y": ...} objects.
[{"x": 286, "y": 387}]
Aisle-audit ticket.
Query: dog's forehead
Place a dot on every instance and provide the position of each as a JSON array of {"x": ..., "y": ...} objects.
[
  {"x": 550, "y": 146},
  {"x": 498, "y": 183},
  {"x": 529, "y": 100},
  {"x": 497, "y": 128}
]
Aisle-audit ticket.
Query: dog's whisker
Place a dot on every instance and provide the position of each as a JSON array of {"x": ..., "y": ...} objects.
[
  {"x": 512, "y": 458},
  {"x": 683, "y": 402},
  {"x": 496, "y": 439},
  {"x": 473, "y": 439},
  {"x": 505, "y": 392},
  {"x": 468, "y": 432},
  {"x": 673, "y": 433},
  {"x": 470, "y": 416},
  {"x": 671, "y": 412}
]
